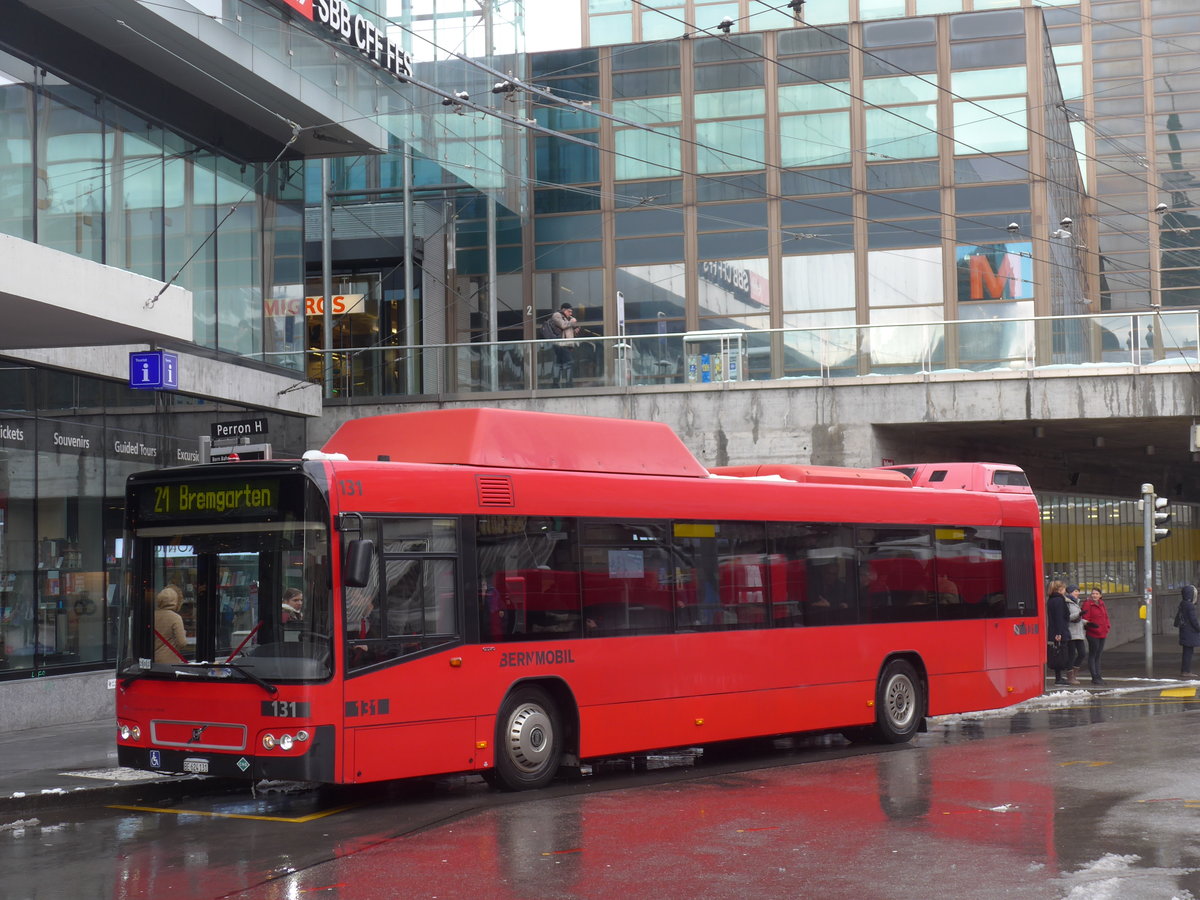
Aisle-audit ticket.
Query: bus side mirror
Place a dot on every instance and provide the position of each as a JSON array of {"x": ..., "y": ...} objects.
[{"x": 356, "y": 572}]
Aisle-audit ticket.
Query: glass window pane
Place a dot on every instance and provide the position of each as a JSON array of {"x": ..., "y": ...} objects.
[
  {"x": 16, "y": 157},
  {"x": 649, "y": 221},
  {"x": 730, "y": 146},
  {"x": 932, "y": 7},
  {"x": 733, "y": 187},
  {"x": 635, "y": 149},
  {"x": 1070, "y": 79},
  {"x": 902, "y": 132},
  {"x": 899, "y": 60},
  {"x": 881, "y": 235},
  {"x": 896, "y": 34},
  {"x": 795, "y": 98},
  {"x": 645, "y": 84},
  {"x": 988, "y": 82},
  {"x": 815, "y": 181},
  {"x": 904, "y": 277},
  {"x": 982, "y": 25},
  {"x": 650, "y": 111},
  {"x": 736, "y": 46},
  {"x": 726, "y": 216},
  {"x": 995, "y": 271},
  {"x": 71, "y": 191},
  {"x": 903, "y": 204},
  {"x": 992, "y": 126},
  {"x": 670, "y": 23},
  {"x": 987, "y": 53},
  {"x": 640, "y": 251},
  {"x": 881, "y": 9},
  {"x": 616, "y": 29},
  {"x": 814, "y": 139},
  {"x": 725, "y": 104},
  {"x": 734, "y": 287},
  {"x": 628, "y": 576},
  {"x": 737, "y": 243},
  {"x": 895, "y": 572},
  {"x": 823, "y": 68},
  {"x": 818, "y": 281},
  {"x": 828, "y": 12},
  {"x": 566, "y": 162},
  {"x": 728, "y": 76},
  {"x": 902, "y": 89},
  {"x": 902, "y": 175}
]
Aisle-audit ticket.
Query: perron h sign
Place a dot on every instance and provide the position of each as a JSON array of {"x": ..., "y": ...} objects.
[{"x": 154, "y": 370}]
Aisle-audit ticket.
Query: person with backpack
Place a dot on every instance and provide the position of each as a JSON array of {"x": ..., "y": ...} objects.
[{"x": 563, "y": 328}]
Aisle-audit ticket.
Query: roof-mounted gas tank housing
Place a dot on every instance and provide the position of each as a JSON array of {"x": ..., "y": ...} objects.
[
  {"x": 518, "y": 439},
  {"x": 997, "y": 478}
]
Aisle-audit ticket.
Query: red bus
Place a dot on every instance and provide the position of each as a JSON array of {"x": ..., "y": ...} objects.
[{"x": 512, "y": 593}]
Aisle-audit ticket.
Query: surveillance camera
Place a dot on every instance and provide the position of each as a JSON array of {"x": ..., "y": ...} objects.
[
  {"x": 1066, "y": 222},
  {"x": 1161, "y": 208},
  {"x": 726, "y": 24},
  {"x": 1013, "y": 227}
]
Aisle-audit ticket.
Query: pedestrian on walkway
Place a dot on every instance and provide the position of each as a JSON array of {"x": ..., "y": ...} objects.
[
  {"x": 1058, "y": 623},
  {"x": 1189, "y": 628},
  {"x": 1096, "y": 627},
  {"x": 1075, "y": 627}
]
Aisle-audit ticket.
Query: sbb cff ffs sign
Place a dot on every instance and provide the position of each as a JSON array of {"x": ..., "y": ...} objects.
[
  {"x": 357, "y": 31},
  {"x": 304, "y": 7}
]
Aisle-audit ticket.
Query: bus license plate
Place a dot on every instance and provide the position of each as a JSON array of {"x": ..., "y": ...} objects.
[{"x": 195, "y": 766}]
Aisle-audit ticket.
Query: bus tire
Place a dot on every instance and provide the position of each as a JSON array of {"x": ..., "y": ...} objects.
[
  {"x": 529, "y": 738},
  {"x": 899, "y": 703}
]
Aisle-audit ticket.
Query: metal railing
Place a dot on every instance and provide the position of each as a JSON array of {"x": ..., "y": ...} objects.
[{"x": 726, "y": 356}]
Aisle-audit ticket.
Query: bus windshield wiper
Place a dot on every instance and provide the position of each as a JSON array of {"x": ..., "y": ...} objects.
[
  {"x": 214, "y": 670},
  {"x": 261, "y": 682}
]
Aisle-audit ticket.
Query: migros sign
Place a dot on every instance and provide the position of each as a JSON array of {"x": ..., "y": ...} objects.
[{"x": 357, "y": 31}]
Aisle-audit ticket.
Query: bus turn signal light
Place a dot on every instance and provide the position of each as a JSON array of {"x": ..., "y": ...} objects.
[{"x": 455, "y": 662}]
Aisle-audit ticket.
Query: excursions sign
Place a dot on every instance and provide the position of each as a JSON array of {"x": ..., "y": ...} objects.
[{"x": 357, "y": 31}]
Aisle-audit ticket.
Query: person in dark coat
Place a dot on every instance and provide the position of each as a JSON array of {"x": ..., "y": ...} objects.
[
  {"x": 1096, "y": 624},
  {"x": 1189, "y": 628},
  {"x": 1058, "y": 622}
]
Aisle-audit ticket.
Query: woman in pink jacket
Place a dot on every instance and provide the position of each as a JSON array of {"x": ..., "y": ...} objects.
[{"x": 1096, "y": 626}]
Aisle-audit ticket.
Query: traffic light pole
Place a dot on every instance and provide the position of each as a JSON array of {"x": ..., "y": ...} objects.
[{"x": 1148, "y": 573}]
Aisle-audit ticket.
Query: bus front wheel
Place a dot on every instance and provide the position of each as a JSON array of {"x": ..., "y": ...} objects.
[
  {"x": 899, "y": 703},
  {"x": 528, "y": 741}
]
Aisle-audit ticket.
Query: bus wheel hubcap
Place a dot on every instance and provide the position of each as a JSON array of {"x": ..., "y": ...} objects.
[
  {"x": 900, "y": 701},
  {"x": 530, "y": 737}
]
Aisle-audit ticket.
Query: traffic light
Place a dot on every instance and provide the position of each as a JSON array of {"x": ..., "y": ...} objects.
[{"x": 1162, "y": 516}]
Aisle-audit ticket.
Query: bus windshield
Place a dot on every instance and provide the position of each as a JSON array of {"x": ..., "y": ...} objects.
[{"x": 240, "y": 600}]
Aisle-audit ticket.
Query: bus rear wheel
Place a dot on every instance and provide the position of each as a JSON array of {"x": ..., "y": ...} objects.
[
  {"x": 899, "y": 703},
  {"x": 528, "y": 741}
]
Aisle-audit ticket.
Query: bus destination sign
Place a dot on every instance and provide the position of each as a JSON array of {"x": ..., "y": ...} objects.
[{"x": 216, "y": 499}]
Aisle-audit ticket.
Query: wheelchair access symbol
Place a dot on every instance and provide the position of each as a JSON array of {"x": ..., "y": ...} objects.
[{"x": 155, "y": 759}]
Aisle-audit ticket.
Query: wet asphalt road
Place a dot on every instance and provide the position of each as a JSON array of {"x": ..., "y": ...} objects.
[{"x": 1092, "y": 800}]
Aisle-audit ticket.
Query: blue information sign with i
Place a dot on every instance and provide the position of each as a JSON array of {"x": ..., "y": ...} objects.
[{"x": 155, "y": 370}]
